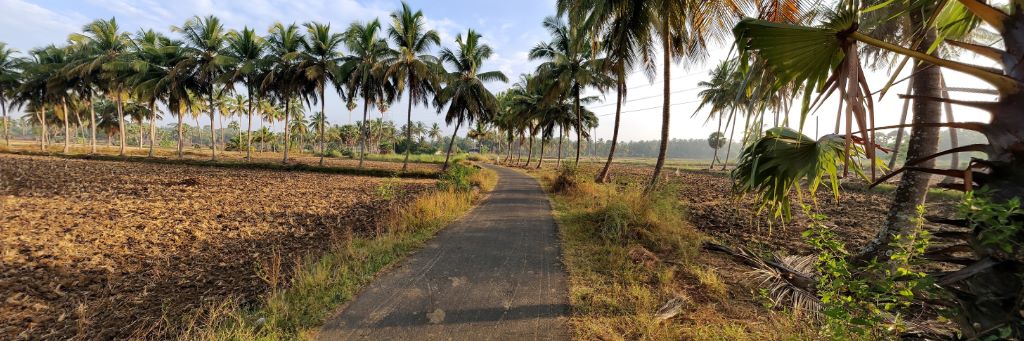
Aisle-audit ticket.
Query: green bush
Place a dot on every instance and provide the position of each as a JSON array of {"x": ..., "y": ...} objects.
[
  {"x": 457, "y": 178},
  {"x": 568, "y": 178}
]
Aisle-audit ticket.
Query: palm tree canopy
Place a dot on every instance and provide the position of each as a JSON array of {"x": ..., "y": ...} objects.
[
  {"x": 363, "y": 73},
  {"x": 464, "y": 93},
  {"x": 409, "y": 62}
]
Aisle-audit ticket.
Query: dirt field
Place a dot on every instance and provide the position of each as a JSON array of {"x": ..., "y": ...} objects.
[
  {"x": 103, "y": 250},
  {"x": 716, "y": 211},
  {"x": 231, "y": 156}
]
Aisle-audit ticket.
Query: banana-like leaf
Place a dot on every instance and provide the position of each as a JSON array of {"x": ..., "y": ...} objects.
[{"x": 773, "y": 166}]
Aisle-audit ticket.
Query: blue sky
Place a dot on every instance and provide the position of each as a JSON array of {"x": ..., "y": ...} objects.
[{"x": 510, "y": 27}]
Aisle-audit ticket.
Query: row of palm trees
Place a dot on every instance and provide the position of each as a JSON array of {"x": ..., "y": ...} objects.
[{"x": 293, "y": 64}]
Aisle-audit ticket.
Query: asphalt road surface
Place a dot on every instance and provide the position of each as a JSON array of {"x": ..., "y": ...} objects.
[{"x": 496, "y": 274}]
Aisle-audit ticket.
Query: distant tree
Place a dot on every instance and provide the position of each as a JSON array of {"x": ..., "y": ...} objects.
[{"x": 716, "y": 141}]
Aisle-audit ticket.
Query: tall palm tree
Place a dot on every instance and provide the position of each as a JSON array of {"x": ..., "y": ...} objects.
[
  {"x": 321, "y": 61},
  {"x": 435, "y": 132},
  {"x": 204, "y": 43},
  {"x": 363, "y": 72},
  {"x": 10, "y": 79},
  {"x": 627, "y": 45},
  {"x": 683, "y": 29},
  {"x": 571, "y": 68},
  {"x": 414, "y": 70},
  {"x": 248, "y": 50},
  {"x": 284, "y": 78},
  {"x": 464, "y": 93},
  {"x": 106, "y": 44},
  {"x": 297, "y": 127}
]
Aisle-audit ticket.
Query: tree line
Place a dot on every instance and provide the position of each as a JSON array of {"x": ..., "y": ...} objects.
[{"x": 208, "y": 69}]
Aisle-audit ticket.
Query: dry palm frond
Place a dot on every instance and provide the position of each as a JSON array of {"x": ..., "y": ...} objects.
[{"x": 782, "y": 290}]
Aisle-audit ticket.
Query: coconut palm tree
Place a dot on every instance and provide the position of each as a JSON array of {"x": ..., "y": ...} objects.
[
  {"x": 248, "y": 50},
  {"x": 571, "y": 67},
  {"x": 105, "y": 44},
  {"x": 320, "y": 62},
  {"x": 283, "y": 78},
  {"x": 414, "y": 70},
  {"x": 204, "y": 44},
  {"x": 10, "y": 79},
  {"x": 683, "y": 29},
  {"x": 154, "y": 78},
  {"x": 297, "y": 127},
  {"x": 363, "y": 72},
  {"x": 828, "y": 57},
  {"x": 435, "y": 132},
  {"x": 464, "y": 92}
]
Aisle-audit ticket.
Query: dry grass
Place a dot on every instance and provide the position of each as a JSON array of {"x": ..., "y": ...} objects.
[
  {"x": 629, "y": 254},
  {"x": 321, "y": 284}
]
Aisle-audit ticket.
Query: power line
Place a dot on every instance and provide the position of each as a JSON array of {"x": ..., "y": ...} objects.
[
  {"x": 655, "y": 107},
  {"x": 672, "y": 79},
  {"x": 643, "y": 98}
]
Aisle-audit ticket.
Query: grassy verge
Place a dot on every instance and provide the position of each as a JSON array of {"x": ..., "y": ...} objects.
[
  {"x": 419, "y": 158},
  {"x": 319, "y": 285},
  {"x": 241, "y": 165},
  {"x": 636, "y": 270}
]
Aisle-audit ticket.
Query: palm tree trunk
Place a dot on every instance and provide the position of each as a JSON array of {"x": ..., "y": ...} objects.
[
  {"x": 140, "y": 132},
  {"x": 366, "y": 133},
  {"x": 408, "y": 130},
  {"x": 903, "y": 120},
  {"x": 913, "y": 186},
  {"x": 287, "y": 139},
  {"x": 953, "y": 140},
  {"x": 120, "y": 120},
  {"x": 603, "y": 176},
  {"x": 451, "y": 143},
  {"x": 152, "y": 127},
  {"x": 540, "y": 157},
  {"x": 529, "y": 150},
  {"x": 67, "y": 129},
  {"x": 92, "y": 125},
  {"x": 323, "y": 116},
  {"x": 666, "y": 112},
  {"x": 213, "y": 130},
  {"x": 519, "y": 151},
  {"x": 181, "y": 133},
  {"x": 42, "y": 131},
  {"x": 263, "y": 139},
  {"x": 7, "y": 121},
  {"x": 248, "y": 128},
  {"x": 559, "y": 162},
  {"x": 732, "y": 134},
  {"x": 579, "y": 126},
  {"x": 716, "y": 146}
]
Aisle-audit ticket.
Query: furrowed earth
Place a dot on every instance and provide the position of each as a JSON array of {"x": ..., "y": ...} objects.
[{"x": 101, "y": 250}]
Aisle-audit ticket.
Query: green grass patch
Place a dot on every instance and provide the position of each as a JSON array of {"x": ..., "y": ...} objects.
[{"x": 418, "y": 158}]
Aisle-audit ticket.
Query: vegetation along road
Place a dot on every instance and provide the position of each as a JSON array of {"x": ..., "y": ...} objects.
[{"x": 495, "y": 274}]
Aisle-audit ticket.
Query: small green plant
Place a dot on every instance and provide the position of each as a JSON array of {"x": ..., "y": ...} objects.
[
  {"x": 568, "y": 178},
  {"x": 997, "y": 225},
  {"x": 389, "y": 189},
  {"x": 457, "y": 178},
  {"x": 866, "y": 303}
]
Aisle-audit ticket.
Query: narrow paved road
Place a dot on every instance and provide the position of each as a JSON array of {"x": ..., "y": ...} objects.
[{"x": 496, "y": 274}]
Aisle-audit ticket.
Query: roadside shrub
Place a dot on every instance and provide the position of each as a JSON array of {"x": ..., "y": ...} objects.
[
  {"x": 868, "y": 302},
  {"x": 456, "y": 178},
  {"x": 568, "y": 179}
]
